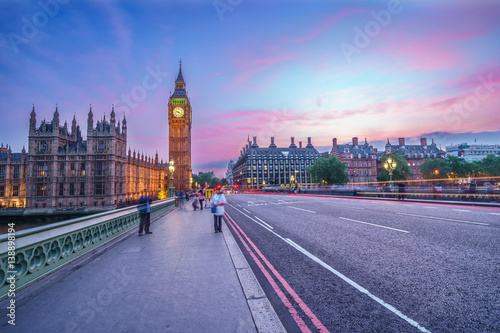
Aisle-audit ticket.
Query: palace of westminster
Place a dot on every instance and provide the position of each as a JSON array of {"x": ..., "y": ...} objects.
[{"x": 61, "y": 170}]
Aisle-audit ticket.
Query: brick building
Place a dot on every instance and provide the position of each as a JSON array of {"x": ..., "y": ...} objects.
[
  {"x": 360, "y": 159},
  {"x": 415, "y": 155}
]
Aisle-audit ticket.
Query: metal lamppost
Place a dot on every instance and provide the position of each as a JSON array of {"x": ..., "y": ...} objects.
[
  {"x": 264, "y": 184},
  {"x": 171, "y": 168},
  {"x": 292, "y": 179},
  {"x": 390, "y": 165}
]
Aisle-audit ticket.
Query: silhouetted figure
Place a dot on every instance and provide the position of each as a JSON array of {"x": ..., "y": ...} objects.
[{"x": 401, "y": 191}]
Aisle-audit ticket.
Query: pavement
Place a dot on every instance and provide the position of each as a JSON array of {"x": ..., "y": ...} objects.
[{"x": 182, "y": 278}]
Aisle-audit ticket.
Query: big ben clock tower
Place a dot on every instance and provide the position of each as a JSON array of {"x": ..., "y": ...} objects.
[{"x": 179, "y": 129}]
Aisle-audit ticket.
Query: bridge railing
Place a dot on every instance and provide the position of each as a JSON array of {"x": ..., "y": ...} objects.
[{"x": 31, "y": 254}]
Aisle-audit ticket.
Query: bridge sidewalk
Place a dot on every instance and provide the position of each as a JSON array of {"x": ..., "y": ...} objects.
[{"x": 182, "y": 278}]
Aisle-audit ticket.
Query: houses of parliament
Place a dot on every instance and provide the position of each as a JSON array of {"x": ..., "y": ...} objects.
[{"x": 61, "y": 170}]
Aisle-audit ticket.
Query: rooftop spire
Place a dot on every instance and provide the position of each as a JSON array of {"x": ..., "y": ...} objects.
[{"x": 179, "y": 76}]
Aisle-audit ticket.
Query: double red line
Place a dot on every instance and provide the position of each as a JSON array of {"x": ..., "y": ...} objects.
[{"x": 247, "y": 243}]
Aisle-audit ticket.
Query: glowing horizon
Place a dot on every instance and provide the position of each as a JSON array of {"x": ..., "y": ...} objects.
[{"x": 364, "y": 69}]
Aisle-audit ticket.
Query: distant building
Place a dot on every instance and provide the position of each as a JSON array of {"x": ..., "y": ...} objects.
[
  {"x": 211, "y": 173},
  {"x": 272, "y": 166},
  {"x": 473, "y": 152},
  {"x": 12, "y": 178},
  {"x": 360, "y": 160},
  {"x": 229, "y": 173},
  {"x": 415, "y": 155}
]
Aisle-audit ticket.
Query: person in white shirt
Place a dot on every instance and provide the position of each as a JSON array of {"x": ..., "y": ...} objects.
[{"x": 219, "y": 201}]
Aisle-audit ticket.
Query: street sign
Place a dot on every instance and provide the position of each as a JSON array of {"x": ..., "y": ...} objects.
[{"x": 209, "y": 193}]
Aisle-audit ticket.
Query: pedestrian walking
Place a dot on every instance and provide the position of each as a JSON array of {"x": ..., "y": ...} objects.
[
  {"x": 439, "y": 190},
  {"x": 201, "y": 198},
  {"x": 144, "y": 208},
  {"x": 490, "y": 192},
  {"x": 472, "y": 190},
  {"x": 401, "y": 190},
  {"x": 218, "y": 203},
  {"x": 180, "y": 199}
]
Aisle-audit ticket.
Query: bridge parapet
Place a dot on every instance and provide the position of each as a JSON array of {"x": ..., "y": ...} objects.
[{"x": 42, "y": 250}]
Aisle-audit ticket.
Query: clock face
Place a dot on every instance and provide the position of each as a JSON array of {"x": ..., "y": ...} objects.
[{"x": 178, "y": 112}]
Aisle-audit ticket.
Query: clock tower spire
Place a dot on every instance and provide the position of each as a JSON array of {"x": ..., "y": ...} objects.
[{"x": 179, "y": 127}]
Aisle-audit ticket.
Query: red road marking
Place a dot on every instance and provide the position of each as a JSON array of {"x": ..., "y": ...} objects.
[{"x": 276, "y": 288}]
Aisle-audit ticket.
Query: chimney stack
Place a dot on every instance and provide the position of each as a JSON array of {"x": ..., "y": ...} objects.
[
  {"x": 423, "y": 142},
  {"x": 401, "y": 142},
  {"x": 300, "y": 144},
  {"x": 334, "y": 142},
  {"x": 272, "y": 145},
  {"x": 355, "y": 141}
]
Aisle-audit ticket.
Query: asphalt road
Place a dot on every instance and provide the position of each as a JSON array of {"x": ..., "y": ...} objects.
[{"x": 360, "y": 265}]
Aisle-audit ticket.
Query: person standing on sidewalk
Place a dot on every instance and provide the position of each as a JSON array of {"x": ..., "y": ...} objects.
[
  {"x": 201, "y": 198},
  {"x": 145, "y": 210},
  {"x": 218, "y": 202}
]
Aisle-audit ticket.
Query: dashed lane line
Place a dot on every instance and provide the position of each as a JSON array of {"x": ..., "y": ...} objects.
[
  {"x": 264, "y": 223},
  {"x": 305, "y": 210},
  {"x": 442, "y": 218},
  {"x": 375, "y": 225}
]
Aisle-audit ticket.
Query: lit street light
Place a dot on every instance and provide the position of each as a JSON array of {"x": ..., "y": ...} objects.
[
  {"x": 390, "y": 165},
  {"x": 171, "y": 168}
]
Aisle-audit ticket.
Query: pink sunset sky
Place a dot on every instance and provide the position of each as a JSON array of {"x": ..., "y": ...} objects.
[{"x": 319, "y": 69}]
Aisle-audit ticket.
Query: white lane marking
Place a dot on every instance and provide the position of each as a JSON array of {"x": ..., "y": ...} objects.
[
  {"x": 375, "y": 225},
  {"x": 238, "y": 205},
  {"x": 264, "y": 222},
  {"x": 350, "y": 207},
  {"x": 357, "y": 286},
  {"x": 494, "y": 213},
  {"x": 461, "y": 210},
  {"x": 262, "y": 225},
  {"x": 246, "y": 210},
  {"x": 430, "y": 207},
  {"x": 343, "y": 277},
  {"x": 442, "y": 218},
  {"x": 305, "y": 210},
  {"x": 407, "y": 205}
]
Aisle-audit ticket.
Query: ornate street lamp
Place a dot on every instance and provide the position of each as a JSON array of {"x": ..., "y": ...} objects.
[
  {"x": 390, "y": 165},
  {"x": 292, "y": 179},
  {"x": 171, "y": 168}
]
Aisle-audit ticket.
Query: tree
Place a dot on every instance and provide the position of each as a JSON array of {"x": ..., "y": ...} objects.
[
  {"x": 331, "y": 170},
  {"x": 459, "y": 167},
  {"x": 223, "y": 181},
  {"x": 435, "y": 168},
  {"x": 402, "y": 171},
  {"x": 490, "y": 166}
]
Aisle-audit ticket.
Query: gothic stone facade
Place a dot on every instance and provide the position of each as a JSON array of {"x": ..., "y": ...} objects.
[
  {"x": 63, "y": 171},
  {"x": 12, "y": 178}
]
